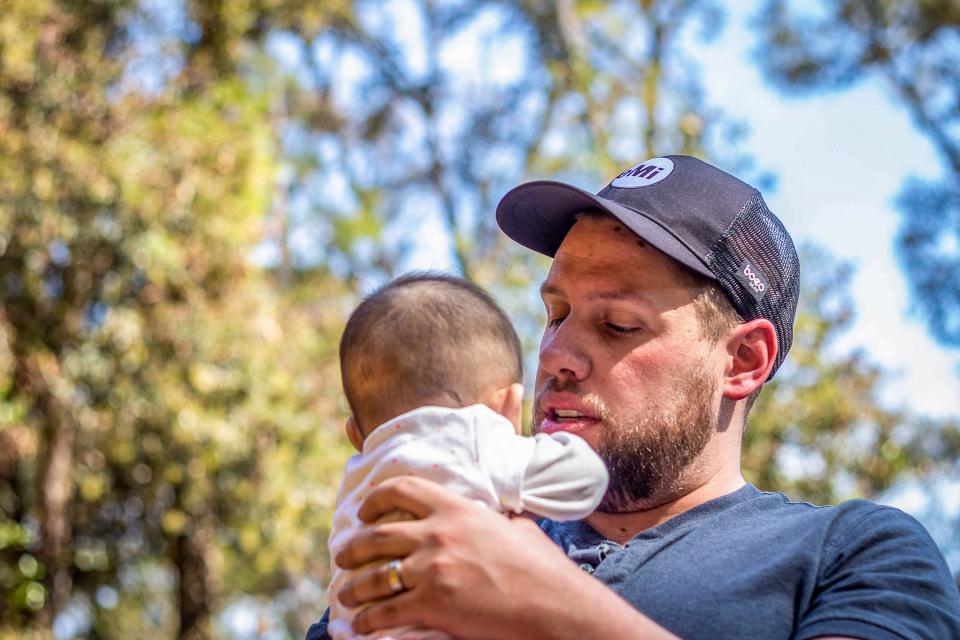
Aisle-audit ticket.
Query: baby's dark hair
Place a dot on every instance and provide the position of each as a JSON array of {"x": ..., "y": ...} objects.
[{"x": 425, "y": 338}]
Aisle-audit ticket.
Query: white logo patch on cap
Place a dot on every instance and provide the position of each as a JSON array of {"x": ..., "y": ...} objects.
[{"x": 644, "y": 174}]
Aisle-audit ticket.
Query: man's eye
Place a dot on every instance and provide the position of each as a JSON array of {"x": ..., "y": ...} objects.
[
  {"x": 616, "y": 328},
  {"x": 555, "y": 321}
]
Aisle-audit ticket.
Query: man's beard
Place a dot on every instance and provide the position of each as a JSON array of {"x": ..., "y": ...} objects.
[{"x": 647, "y": 453}]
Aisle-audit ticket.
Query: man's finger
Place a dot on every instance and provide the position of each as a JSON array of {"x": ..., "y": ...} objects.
[
  {"x": 379, "y": 542},
  {"x": 370, "y": 583},
  {"x": 400, "y": 610},
  {"x": 406, "y": 493}
]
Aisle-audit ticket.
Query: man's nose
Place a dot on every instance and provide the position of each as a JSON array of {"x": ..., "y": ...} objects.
[{"x": 561, "y": 353}]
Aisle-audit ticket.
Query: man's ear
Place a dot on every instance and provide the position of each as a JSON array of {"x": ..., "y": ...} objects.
[
  {"x": 354, "y": 434},
  {"x": 508, "y": 402},
  {"x": 752, "y": 349}
]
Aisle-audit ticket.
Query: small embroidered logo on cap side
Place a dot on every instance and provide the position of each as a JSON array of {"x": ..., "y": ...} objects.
[
  {"x": 753, "y": 280},
  {"x": 644, "y": 174}
]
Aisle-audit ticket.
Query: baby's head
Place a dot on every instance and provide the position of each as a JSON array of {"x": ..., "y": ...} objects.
[{"x": 428, "y": 339}]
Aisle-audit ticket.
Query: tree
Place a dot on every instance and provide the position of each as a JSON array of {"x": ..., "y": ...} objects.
[
  {"x": 156, "y": 392},
  {"x": 193, "y": 197},
  {"x": 160, "y": 405},
  {"x": 912, "y": 46}
]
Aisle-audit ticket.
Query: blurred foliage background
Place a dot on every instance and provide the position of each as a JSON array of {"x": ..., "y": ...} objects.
[{"x": 194, "y": 194}]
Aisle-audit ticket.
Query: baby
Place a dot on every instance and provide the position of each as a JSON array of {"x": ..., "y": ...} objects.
[{"x": 431, "y": 370}]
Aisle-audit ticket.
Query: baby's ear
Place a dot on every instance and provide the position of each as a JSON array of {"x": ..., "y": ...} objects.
[
  {"x": 508, "y": 402},
  {"x": 354, "y": 434}
]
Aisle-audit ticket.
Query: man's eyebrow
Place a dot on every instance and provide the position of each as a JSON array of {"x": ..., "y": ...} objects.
[
  {"x": 623, "y": 293},
  {"x": 549, "y": 289}
]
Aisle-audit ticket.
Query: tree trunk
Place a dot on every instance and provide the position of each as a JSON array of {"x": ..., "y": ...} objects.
[
  {"x": 56, "y": 484},
  {"x": 194, "y": 593}
]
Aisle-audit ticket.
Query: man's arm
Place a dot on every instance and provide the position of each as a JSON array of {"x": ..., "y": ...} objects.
[{"x": 473, "y": 573}]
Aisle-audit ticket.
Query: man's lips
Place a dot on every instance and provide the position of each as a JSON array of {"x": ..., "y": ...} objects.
[{"x": 565, "y": 412}]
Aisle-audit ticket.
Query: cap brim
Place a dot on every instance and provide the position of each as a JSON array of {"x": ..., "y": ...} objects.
[{"x": 539, "y": 215}]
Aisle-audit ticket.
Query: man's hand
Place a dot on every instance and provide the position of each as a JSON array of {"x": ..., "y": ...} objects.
[{"x": 473, "y": 573}]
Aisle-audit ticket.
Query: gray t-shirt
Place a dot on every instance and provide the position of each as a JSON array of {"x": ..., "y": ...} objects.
[
  {"x": 756, "y": 565},
  {"x": 753, "y": 564}
]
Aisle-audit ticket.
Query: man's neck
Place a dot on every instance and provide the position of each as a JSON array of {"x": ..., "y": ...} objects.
[{"x": 621, "y": 527}]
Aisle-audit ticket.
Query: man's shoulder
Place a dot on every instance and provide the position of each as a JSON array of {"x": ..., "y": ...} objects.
[
  {"x": 830, "y": 527},
  {"x": 834, "y": 546},
  {"x": 861, "y": 515},
  {"x": 844, "y": 520},
  {"x": 865, "y": 529}
]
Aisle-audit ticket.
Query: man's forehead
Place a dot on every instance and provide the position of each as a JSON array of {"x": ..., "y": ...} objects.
[{"x": 600, "y": 259}]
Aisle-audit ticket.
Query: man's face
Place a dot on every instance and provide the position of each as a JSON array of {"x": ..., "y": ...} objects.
[{"x": 624, "y": 364}]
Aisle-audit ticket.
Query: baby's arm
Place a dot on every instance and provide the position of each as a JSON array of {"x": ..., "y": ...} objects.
[
  {"x": 555, "y": 476},
  {"x": 565, "y": 479}
]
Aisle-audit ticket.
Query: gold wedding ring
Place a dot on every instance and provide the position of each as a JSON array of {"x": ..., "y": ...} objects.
[{"x": 393, "y": 577}]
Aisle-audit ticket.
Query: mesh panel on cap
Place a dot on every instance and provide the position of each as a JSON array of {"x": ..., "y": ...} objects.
[{"x": 757, "y": 236}]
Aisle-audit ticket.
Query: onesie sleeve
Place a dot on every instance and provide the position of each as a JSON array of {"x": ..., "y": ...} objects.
[
  {"x": 882, "y": 576},
  {"x": 555, "y": 476},
  {"x": 565, "y": 479}
]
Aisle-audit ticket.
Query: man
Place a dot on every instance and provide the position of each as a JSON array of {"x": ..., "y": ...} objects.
[{"x": 670, "y": 302}]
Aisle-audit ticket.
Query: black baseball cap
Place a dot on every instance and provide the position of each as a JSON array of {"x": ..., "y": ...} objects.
[{"x": 702, "y": 217}]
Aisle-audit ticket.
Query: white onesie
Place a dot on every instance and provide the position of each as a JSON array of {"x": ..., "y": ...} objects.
[{"x": 476, "y": 453}]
